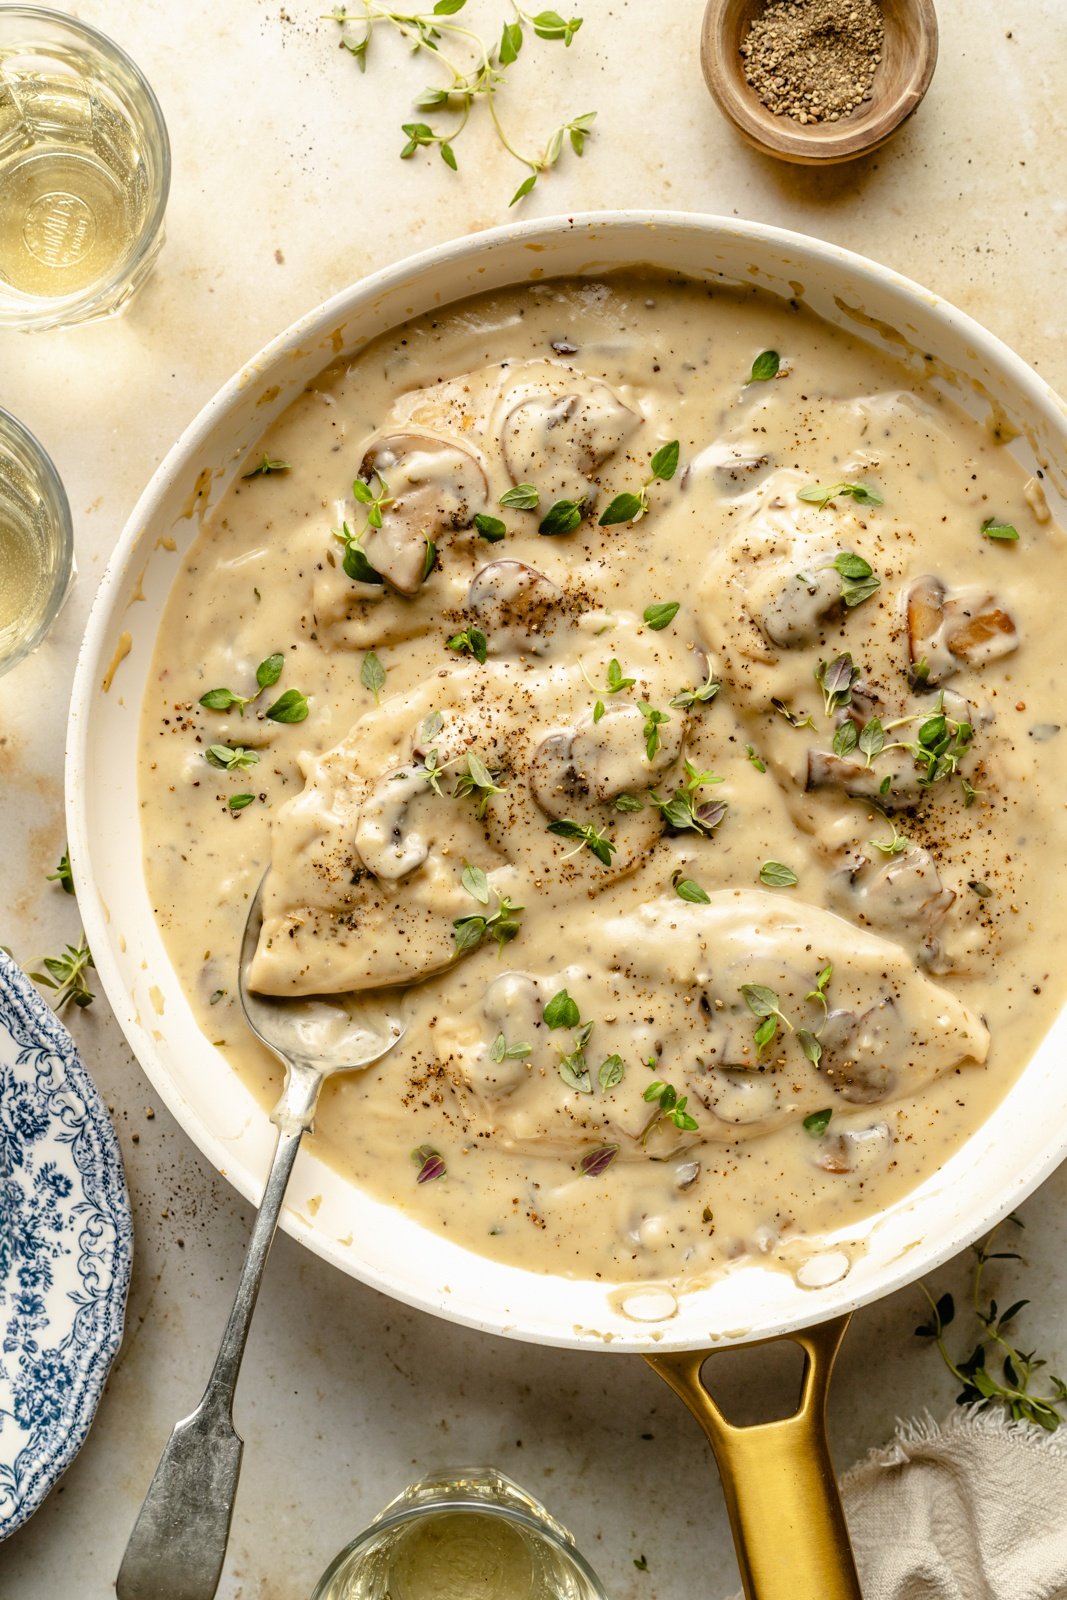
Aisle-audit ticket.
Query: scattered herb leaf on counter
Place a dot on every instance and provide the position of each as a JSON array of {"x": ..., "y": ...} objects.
[
  {"x": 238, "y": 802},
  {"x": 628, "y": 803},
  {"x": 62, "y": 875},
  {"x": 688, "y": 889},
  {"x": 429, "y": 1162},
  {"x": 594, "y": 1162},
  {"x": 661, "y": 615},
  {"x": 480, "y": 77},
  {"x": 996, "y": 1373},
  {"x": 372, "y": 674},
  {"x": 472, "y": 640},
  {"x": 67, "y": 975},
  {"x": 818, "y": 1122},
  {"x": 524, "y": 497},
  {"x": 776, "y": 875},
  {"x": 821, "y": 494},
  {"x": 289, "y": 707},
  {"x": 265, "y": 468},
  {"x": 591, "y": 838},
  {"x": 754, "y": 756},
  {"x": 562, "y": 517},
  {"x": 765, "y": 367},
  {"x": 982, "y": 890},
  {"x": 1003, "y": 532},
  {"x": 490, "y": 528},
  {"x": 231, "y": 758}
]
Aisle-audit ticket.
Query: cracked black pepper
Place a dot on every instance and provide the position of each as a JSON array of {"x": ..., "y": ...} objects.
[{"x": 814, "y": 60}]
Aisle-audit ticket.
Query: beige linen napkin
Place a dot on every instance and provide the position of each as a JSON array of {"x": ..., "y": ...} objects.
[{"x": 973, "y": 1509}]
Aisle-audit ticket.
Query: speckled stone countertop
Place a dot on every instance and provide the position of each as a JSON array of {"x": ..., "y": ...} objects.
[{"x": 286, "y": 188}]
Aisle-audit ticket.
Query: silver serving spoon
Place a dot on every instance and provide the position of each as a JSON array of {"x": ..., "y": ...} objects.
[{"x": 178, "y": 1543}]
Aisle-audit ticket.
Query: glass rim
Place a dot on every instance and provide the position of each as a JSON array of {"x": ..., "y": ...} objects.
[
  {"x": 469, "y": 1503},
  {"x": 51, "y": 486},
  {"x": 76, "y": 307}
]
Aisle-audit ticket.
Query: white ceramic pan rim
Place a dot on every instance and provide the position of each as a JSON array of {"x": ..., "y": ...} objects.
[{"x": 1002, "y": 1163}]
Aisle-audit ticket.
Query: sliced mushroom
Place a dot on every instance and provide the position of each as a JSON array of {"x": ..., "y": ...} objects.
[
  {"x": 553, "y": 776},
  {"x": 827, "y": 771},
  {"x": 950, "y": 628},
  {"x": 791, "y": 607},
  {"x": 431, "y": 485},
  {"x": 738, "y": 1097},
  {"x": 860, "y": 1152},
  {"x": 902, "y": 895},
  {"x": 734, "y": 466},
  {"x": 609, "y": 755},
  {"x": 559, "y": 428},
  {"x": 512, "y": 1007},
  {"x": 855, "y": 1050},
  {"x": 387, "y": 841},
  {"x": 516, "y": 607}
]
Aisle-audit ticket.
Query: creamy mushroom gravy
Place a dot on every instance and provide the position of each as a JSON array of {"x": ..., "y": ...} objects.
[{"x": 833, "y": 1040}]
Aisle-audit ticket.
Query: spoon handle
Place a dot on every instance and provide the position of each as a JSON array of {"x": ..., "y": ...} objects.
[{"x": 178, "y": 1543}]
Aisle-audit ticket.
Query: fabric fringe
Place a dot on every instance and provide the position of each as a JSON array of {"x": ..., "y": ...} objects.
[{"x": 910, "y": 1438}]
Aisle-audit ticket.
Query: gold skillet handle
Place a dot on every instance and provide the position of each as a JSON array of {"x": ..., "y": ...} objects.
[{"x": 781, "y": 1493}]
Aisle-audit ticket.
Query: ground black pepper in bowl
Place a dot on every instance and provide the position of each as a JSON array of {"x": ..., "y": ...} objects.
[{"x": 814, "y": 60}]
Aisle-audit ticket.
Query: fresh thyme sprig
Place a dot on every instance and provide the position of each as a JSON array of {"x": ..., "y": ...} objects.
[
  {"x": 230, "y": 758},
  {"x": 822, "y": 494},
  {"x": 589, "y": 838},
  {"x": 670, "y": 1107},
  {"x": 265, "y": 468},
  {"x": 1003, "y": 1374},
  {"x": 477, "y": 781},
  {"x": 63, "y": 875},
  {"x": 685, "y": 699},
  {"x": 66, "y": 974},
  {"x": 291, "y": 706},
  {"x": 501, "y": 924},
  {"x": 632, "y": 507},
  {"x": 684, "y": 810},
  {"x": 480, "y": 78}
]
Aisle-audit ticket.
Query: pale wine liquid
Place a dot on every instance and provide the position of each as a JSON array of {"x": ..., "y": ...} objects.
[
  {"x": 460, "y": 1555},
  {"x": 73, "y": 188},
  {"x": 29, "y": 556}
]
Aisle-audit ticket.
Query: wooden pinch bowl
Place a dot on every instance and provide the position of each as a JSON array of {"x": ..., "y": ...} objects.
[{"x": 909, "y": 56}]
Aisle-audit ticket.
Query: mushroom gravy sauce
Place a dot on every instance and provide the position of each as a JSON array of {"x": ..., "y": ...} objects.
[{"x": 716, "y": 840}]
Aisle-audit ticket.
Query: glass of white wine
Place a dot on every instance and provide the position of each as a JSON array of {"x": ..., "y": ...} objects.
[
  {"x": 84, "y": 171},
  {"x": 36, "y": 543},
  {"x": 462, "y": 1535}
]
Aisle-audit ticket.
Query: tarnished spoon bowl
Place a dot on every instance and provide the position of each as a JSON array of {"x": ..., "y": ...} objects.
[{"x": 178, "y": 1543}]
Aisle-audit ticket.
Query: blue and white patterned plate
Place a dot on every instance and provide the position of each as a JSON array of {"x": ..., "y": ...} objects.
[{"x": 66, "y": 1247}]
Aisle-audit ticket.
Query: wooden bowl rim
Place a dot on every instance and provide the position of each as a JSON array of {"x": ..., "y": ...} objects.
[{"x": 815, "y": 144}]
